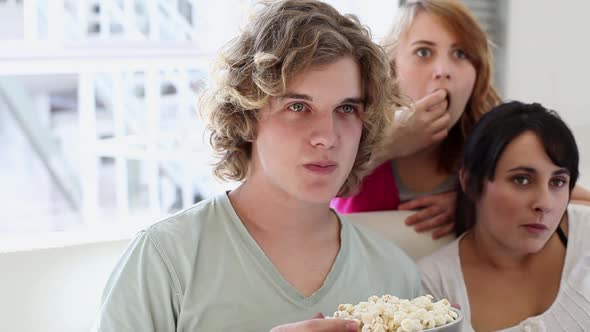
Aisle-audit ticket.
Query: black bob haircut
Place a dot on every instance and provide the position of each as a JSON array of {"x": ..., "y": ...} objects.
[{"x": 488, "y": 140}]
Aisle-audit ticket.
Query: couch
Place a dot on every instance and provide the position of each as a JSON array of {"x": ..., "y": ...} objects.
[{"x": 59, "y": 288}]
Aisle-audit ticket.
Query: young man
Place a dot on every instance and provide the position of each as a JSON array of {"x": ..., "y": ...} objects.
[{"x": 303, "y": 98}]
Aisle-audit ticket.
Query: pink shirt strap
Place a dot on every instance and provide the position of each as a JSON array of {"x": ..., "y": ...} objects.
[{"x": 378, "y": 192}]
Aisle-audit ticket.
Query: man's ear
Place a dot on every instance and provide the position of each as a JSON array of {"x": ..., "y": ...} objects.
[{"x": 463, "y": 179}]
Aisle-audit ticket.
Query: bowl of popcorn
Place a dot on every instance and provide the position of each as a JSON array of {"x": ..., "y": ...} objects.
[{"x": 391, "y": 314}]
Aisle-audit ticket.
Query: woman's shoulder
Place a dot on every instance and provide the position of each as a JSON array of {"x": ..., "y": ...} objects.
[
  {"x": 579, "y": 213},
  {"x": 442, "y": 264},
  {"x": 445, "y": 255},
  {"x": 578, "y": 231},
  {"x": 579, "y": 224}
]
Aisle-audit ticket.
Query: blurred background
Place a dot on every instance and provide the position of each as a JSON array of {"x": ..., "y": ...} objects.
[
  {"x": 98, "y": 118},
  {"x": 99, "y": 133}
]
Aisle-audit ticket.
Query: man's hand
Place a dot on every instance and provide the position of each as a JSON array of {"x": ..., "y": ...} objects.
[
  {"x": 436, "y": 211},
  {"x": 319, "y": 324}
]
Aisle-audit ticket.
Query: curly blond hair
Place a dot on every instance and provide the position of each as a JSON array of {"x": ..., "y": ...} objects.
[
  {"x": 457, "y": 19},
  {"x": 283, "y": 39}
]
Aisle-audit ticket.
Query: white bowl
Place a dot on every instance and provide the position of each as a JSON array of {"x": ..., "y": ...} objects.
[{"x": 454, "y": 326}]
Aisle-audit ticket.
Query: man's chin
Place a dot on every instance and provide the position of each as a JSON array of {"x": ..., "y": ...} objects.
[{"x": 319, "y": 196}]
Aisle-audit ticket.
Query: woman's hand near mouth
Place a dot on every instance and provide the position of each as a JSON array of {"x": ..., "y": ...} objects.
[{"x": 425, "y": 125}]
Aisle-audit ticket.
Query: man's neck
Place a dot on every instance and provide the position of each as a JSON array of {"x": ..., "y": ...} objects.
[
  {"x": 270, "y": 211},
  {"x": 301, "y": 240}
]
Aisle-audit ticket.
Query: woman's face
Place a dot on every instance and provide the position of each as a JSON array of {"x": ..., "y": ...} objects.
[
  {"x": 522, "y": 206},
  {"x": 429, "y": 57}
]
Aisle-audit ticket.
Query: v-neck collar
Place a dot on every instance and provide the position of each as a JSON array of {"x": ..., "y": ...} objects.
[{"x": 269, "y": 269}]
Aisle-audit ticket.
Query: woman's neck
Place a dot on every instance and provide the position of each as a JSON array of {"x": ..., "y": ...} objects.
[
  {"x": 428, "y": 155},
  {"x": 482, "y": 248},
  {"x": 420, "y": 172}
]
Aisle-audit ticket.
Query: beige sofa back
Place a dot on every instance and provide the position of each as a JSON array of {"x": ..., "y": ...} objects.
[
  {"x": 59, "y": 289},
  {"x": 390, "y": 224}
]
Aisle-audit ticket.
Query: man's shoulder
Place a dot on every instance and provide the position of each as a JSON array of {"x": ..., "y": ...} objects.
[
  {"x": 186, "y": 227},
  {"x": 377, "y": 246}
]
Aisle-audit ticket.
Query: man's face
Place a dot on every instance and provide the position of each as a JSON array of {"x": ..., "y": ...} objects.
[{"x": 307, "y": 140}]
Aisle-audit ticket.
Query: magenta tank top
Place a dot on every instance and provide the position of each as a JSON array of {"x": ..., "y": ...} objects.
[{"x": 378, "y": 192}]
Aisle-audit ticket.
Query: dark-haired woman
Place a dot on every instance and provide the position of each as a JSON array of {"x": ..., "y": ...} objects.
[{"x": 522, "y": 259}]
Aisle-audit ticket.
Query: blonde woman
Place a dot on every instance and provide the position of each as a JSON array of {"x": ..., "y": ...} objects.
[{"x": 296, "y": 117}]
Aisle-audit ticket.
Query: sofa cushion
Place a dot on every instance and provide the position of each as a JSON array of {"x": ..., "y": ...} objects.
[{"x": 390, "y": 224}]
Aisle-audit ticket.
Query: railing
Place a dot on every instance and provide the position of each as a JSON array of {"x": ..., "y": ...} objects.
[{"x": 154, "y": 20}]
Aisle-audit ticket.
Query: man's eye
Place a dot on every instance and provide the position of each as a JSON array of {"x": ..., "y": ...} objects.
[
  {"x": 297, "y": 107},
  {"x": 347, "y": 109},
  {"x": 423, "y": 52}
]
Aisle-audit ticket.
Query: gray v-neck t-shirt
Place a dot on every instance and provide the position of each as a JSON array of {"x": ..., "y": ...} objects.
[{"x": 200, "y": 270}]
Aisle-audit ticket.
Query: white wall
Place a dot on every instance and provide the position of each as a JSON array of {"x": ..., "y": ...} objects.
[
  {"x": 547, "y": 62},
  {"x": 378, "y": 15},
  {"x": 222, "y": 25}
]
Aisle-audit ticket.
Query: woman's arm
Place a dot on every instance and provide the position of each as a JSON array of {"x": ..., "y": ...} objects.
[
  {"x": 580, "y": 195},
  {"x": 435, "y": 211}
]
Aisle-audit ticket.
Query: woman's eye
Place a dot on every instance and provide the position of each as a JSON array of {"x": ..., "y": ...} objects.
[
  {"x": 558, "y": 182},
  {"x": 459, "y": 53},
  {"x": 423, "y": 52},
  {"x": 296, "y": 107},
  {"x": 522, "y": 180},
  {"x": 347, "y": 109}
]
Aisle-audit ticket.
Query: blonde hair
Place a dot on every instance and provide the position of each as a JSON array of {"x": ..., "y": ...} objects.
[
  {"x": 457, "y": 19},
  {"x": 286, "y": 38}
]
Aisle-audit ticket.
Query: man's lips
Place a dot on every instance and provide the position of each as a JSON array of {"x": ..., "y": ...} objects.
[{"x": 321, "y": 167}]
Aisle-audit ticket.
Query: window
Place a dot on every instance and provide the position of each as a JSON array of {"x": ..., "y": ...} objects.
[{"x": 101, "y": 130}]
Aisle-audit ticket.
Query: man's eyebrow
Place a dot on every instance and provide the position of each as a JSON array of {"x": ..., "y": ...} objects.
[
  {"x": 290, "y": 95},
  {"x": 355, "y": 100},
  {"x": 350, "y": 100}
]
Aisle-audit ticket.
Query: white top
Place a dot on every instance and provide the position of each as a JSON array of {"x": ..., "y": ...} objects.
[
  {"x": 202, "y": 271},
  {"x": 442, "y": 277}
]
